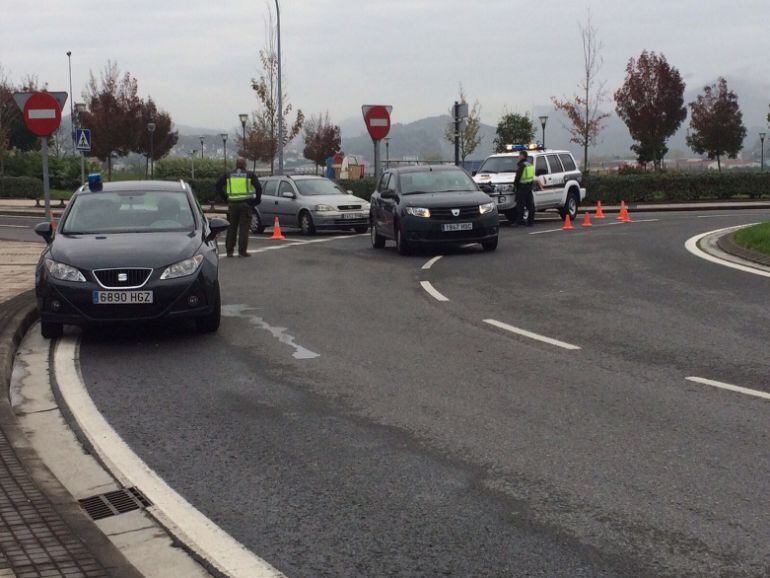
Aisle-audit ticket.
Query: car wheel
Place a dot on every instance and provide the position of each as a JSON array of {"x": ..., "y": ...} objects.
[
  {"x": 51, "y": 330},
  {"x": 378, "y": 241},
  {"x": 210, "y": 322},
  {"x": 571, "y": 207},
  {"x": 256, "y": 226},
  {"x": 306, "y": 223},
  {"x": 360, "y": 230},
  {"x": 489, "y": 245},
  {"x": 402, "y": 245}
]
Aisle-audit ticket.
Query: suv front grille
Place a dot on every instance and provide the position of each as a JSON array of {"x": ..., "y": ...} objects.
[
  {"x": 122, "y": 278},
  {"x": 465, "y": 213}
]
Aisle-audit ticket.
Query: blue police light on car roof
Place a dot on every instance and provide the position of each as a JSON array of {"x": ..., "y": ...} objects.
[
  {"x": 94, "y": 182},
  {"x": 524, "y": 147}
]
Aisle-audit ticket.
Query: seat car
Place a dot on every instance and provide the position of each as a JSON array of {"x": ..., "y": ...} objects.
[
  {"x": 558, "y": 180},
  {"x": 424, "y": 204},
  {"x": 133, "y": 251},
  {"x": 310, "y": 203}
]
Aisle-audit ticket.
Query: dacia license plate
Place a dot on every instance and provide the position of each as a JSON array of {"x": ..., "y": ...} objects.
[
  {"x": 457, "y": 227},
  {"x": 122, "y": 297}
]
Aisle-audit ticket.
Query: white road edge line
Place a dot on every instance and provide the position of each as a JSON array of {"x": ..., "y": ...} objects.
[
  {"x": 17, "y": 227},
  {"x": 729, "y": 387},
  {"x": 180, "y": 517},
  {"x": 692, "y": 246},
  {"x": 535, "y": 336},
  {"x": 432, "y": 262},
  {"x": 432, "y": 291}
]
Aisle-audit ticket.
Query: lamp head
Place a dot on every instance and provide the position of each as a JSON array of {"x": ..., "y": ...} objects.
[{"x": 151, "y": 127}]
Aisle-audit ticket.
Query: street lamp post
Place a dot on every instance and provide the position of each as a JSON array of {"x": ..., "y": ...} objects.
[
  {"x": 243, "y": 118},
  {"x": 224, "y": 146},
  {"x": 387, "y": 152},
  {"x": 201, "y": 138},
  {"x": 762, "y": 136},
  {"x": 72, "y": 111},
  {"x": 192, "y": 164},
  {"x": 280, "y": 91},
  {"x": 80, "y": 108},
  {"x": 543, "y": 119},
  {"x": 151, "y": 130}
]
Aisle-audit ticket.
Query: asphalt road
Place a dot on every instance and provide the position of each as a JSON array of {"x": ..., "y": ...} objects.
[
  {"x": 344, "y": 422},
  {"x": 14, "y": 228}
]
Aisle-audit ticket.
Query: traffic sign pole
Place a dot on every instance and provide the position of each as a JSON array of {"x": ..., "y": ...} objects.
[{"x": 46, "y": 185}]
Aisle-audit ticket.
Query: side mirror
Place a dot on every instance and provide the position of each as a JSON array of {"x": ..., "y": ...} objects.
[
  {"x": 387, "y": 194},
  {"x": 216, "y": 226},
  {"x": 473, "y": 174},
  {"x": 45, "y": 230},
  {"x": 288, "y": 195}
]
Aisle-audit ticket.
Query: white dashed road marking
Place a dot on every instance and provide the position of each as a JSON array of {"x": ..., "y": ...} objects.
[
  {"x": 535, "y": 336},
  {"x": 432, "y": 291},
  {"x": 432, "y": 262},
  {"x": 729, "y": 387}
]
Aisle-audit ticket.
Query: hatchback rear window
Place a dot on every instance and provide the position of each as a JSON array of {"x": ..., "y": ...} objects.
[{"x": 129, "y": 212}]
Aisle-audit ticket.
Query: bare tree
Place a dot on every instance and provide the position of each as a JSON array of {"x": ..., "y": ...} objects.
[
  {"x": 469, "y": 136},
  {"x": 584, "y": 109}
]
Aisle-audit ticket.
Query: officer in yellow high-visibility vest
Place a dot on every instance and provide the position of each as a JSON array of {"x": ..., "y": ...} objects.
[
  {"x": 525, "y": 178},
  {"x": 242, "y": 191}
]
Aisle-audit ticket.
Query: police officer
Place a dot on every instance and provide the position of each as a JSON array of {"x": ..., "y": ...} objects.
[
  {"x": 242, "y": 191},
  {"x": 525, "y": 177}
]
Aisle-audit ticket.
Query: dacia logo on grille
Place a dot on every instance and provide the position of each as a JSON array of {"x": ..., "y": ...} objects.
[
  {"x": 122, "y": 277},
  {"x": 455, "y": 212}
]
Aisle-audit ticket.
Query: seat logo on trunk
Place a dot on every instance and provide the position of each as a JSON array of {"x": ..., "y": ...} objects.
[{"x": 455, "y": 212}]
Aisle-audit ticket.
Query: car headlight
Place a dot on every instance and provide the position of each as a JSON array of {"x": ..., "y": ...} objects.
[
  {"x": 183, "y": 268},
  {"x": 486, "y": 208},
  {"x": 417, "y": 212},
  {"x": 504, "y": 188},
  {"x": 324, "y": 208},
  {"x": 63, "y": 272}
]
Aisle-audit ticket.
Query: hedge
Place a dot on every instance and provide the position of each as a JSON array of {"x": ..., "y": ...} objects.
[
  {"x": 675, "y": 187},
  {"x": 21, "y": 187},
  {"x": 362, "y": 188}
]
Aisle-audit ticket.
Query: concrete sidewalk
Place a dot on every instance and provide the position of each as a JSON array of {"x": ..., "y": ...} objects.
[{"x": 41, "y": 532}]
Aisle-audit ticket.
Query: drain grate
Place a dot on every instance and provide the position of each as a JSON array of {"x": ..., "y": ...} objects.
[{"x": 110, "y": 504}]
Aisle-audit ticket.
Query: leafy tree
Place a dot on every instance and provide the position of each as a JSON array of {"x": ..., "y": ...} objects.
[
  {"x": 469, "y": 136},
  {"x": 13, "y": 132},
  {"x": 651, "y": 103},
  {"x": 113, "y": 114},
  {"x": 586, "y": 120},
  {"x": 513, "y": 128},
  {"x": 268, "y": 117},
  {"x": 163, "y": 139},
  {"x": 322, "y": 139},
  {"x": 716, "y": 123}
]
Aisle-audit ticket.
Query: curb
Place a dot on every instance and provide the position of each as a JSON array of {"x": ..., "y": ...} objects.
[
  {"x": 728, "y": 245},
  {"x": 18, "y": 314}
]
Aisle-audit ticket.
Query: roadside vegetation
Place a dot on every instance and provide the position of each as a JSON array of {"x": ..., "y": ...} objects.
[{"x": 756, "y": 237}]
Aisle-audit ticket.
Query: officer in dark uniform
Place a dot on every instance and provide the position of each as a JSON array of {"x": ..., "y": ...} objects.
[
  {"x": 242, "y": 191},
  {"x": 525, "y": 177}
]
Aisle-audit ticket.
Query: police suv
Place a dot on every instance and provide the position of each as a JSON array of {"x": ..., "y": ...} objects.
[{"x": 556, "y": 186}]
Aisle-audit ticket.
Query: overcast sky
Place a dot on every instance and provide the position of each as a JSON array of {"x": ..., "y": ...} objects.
[{"x": 196, "y": 57}]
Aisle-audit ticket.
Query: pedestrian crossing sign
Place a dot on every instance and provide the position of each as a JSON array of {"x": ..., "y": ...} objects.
[{"x": 83, "y": 139}]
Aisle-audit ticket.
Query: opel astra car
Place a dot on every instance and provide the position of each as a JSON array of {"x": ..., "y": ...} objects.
[
  {"x": 133, "y": 251},
  {"x": 423, "y": 204},
  {"x": 310, "y": 203}
]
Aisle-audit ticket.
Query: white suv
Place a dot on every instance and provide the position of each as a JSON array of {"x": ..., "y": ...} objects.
[{"x": 557, "y": 181}]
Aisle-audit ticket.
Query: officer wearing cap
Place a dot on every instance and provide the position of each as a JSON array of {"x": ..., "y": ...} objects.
[
  {"x": 525, "y": 177},
  {"x": 242, "y": 191}
]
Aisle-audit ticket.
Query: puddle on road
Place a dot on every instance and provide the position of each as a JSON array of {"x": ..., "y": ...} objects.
[{"x": 247, "y": 312}]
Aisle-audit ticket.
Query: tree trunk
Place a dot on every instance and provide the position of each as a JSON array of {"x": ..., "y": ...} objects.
[
  {"x": 719, "y": 164},
  {"x": 109, "y": 168}
]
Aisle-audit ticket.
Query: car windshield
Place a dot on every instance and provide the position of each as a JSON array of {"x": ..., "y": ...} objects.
[
  {"x": 129, "y": 212},
  {"x": 499, "y": 165},
  {"x": 436, "y": 182},
  {"x": 312, "y": 187}
]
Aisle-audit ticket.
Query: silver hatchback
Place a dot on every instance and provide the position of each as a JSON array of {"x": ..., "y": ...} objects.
[{"x": 310, "y": 203}]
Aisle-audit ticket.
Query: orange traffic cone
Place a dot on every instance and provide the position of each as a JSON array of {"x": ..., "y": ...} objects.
[
  {"x": 277, "y": 231},
  {"x": 587, "y": 220},
  {"x": 599, "y": 212},
  {"x": 567, "y": 224},
  {"x": 622, "y": 212},
  {"x": 626, "y": 216}
]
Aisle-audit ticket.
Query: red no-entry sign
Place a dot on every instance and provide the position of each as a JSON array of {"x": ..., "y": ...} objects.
[
  {"x": 377, "y": 119},
  {"x": 42, "y": 114}
]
